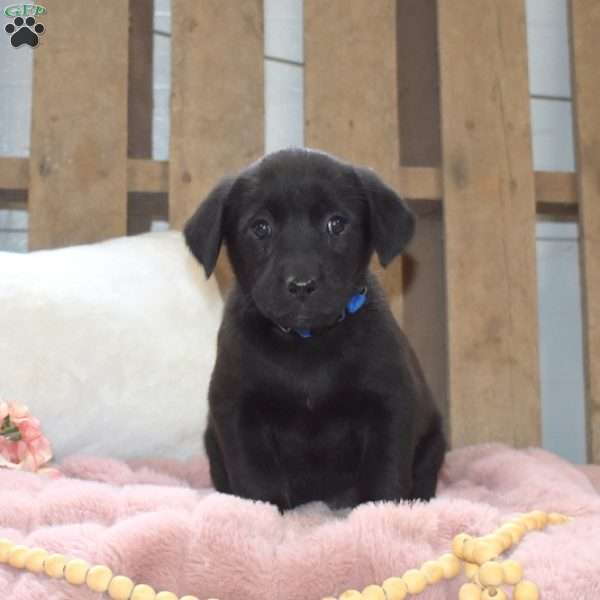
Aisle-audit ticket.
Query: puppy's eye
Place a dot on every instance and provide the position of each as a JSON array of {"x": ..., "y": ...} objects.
[
  {"x": 336, "y": 225},
  {"x": 261, "y": 229}
]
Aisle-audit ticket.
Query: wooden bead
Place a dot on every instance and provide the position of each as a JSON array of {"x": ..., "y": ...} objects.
[
  {"x": 169, "y": 596},
  {"x": 557, "y": 518},
  {"x": 471, "y": 570},
  {"x": 541, "y": 517},
  {"x": 526, "y": 590},
  {"x": 373, "y": 592},
  {"x": 415, "y": 581},
  {"x": 495, "y": 542},
  {"x": 17, "y": 555},
  {"x": 351, "y": 595},
  {"x": 54, "y": 565},
  {"x": 120, "y": 588},
  {"x": 98, "y": 578},
  {"x": 529, "y": 522},
  {"x": 504, "y": 537},
  {"x": 450, "y": 565},
  {"x": 469, "y": 549},
  {"x": 34, "y": 560},
  {"x": 491, "y": 574},
  {"x": 469, "y": 591},
  {"x": 432, "y": 570},
  {"x": 513, "y": 571},
  {"x": 493, "y": 593},
  {"x": 485, "y": 551},
  {"x": 76, "y": 571},
  {"x": 5, "y": 548},
  {"x": 143, "y": 592},
  {"x": 514, "y": 531},
  {"x": 395, "y": 588},
  {"x": 458, "y": 542},
  {"x": 522, "y": 529}
]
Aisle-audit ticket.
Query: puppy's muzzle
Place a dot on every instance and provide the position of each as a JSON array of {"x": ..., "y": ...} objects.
[{"x": 301, "y": 288}]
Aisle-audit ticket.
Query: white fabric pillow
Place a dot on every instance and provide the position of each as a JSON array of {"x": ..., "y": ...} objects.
[{"x": 111, "y": 345}]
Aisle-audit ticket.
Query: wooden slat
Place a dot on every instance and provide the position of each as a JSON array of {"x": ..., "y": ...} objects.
[
  {"x": 424, "y": 299},
  {"x": 217, "y": 102},
  {"x": 351, "y": 97},
  {"x": 139, "y": 110},
  {"x": 585, "y": 23},
  {"x": 147, "y": 175},
  {"x": 14, "y": 173},
  {"x": 413, "y": 183},
  {"x": 77, "y": 171},
  {"x": 142, "y": 175},
  {"x": 418, "y": 86},
  {"x": 350, "y": 82},
  {"x": 139, "y": 106},
  {"x": 420, "y": 183},
  {"x": 489, "y": 214},
  {"x": 425, "y": 313},
  {"x": 555, "y": 188}
]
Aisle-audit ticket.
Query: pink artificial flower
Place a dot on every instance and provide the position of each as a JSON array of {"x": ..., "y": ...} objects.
[{"x": 22, "y": 444}]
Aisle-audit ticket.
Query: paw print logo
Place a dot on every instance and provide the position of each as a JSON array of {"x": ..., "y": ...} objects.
[{"x": 24, "y": 32}]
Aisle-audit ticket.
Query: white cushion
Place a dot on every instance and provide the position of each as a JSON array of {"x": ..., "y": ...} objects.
[{"x": 111, "y": 345}]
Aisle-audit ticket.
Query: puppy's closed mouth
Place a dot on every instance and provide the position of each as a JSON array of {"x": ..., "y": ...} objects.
[
  {"x": 301, "y": 317},
  {"x": 297, "y": 321},
  {"x": 309, "y": 320}
]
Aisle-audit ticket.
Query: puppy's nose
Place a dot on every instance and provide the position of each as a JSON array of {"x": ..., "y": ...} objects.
[{"x": 301, "y": 288}]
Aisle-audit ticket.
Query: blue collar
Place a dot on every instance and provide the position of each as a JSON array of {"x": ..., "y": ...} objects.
[{"x": 353, "y": 305}]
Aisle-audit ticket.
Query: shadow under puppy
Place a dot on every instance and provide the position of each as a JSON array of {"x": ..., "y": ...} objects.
[{"x": 316, "y": 393}]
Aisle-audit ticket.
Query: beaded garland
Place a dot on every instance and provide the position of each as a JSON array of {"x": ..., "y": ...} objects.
[{"x": 478, "y": 555}]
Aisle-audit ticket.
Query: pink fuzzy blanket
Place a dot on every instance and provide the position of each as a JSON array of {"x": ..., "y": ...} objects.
[{"x": 161, "y": 524}]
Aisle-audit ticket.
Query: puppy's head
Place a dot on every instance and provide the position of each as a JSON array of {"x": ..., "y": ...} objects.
[{"x": 300, "y": 227}]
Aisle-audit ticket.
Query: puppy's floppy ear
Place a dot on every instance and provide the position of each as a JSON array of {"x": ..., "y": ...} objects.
[
  {"x": 392, "y": 224},
  {"x": 204, "y": 230}
]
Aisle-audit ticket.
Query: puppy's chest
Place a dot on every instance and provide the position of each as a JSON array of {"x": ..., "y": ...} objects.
[{"x": 308, "y": 424}]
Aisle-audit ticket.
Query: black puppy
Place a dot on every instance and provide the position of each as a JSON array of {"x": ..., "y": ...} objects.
[{"x": 316, "y": 393}]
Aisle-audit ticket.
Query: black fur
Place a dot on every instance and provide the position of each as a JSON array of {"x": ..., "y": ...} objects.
[{"x": 344, "y": 416}]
